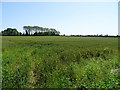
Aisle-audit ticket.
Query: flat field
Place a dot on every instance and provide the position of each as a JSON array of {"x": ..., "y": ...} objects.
[{"x": 59, "y": 62}]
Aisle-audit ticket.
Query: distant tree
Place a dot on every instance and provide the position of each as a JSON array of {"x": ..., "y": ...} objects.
[
  {"x": 40, "y": 31},
  {"x": 34, "y": 28},
  {"x": 64, "y": 35},
  {"x": 106, "y": 35},
  {"x": 10, "y": 32},
  {"x": 46, "y": 29},
  {"x": 28, "y": 30},
  {"x": 100, "y": 35}
]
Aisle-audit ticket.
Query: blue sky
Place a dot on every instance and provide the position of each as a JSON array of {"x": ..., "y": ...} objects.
[{"x": 67, "y": 17}]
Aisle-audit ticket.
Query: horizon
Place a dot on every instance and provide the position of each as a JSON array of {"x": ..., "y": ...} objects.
[{"x": 70, "y": 18}]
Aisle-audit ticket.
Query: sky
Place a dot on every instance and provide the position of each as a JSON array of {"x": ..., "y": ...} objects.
[{"x": 70, "y": 18}]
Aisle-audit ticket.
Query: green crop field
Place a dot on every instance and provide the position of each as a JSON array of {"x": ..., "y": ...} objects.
[{"x": 59, "y": 62}]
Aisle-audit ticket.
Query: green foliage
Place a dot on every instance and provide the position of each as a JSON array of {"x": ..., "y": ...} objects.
[
  {"x": 40, "y": 31},
  {"x": 60, "y": 62},
  {"x": 10, "y": 32}
]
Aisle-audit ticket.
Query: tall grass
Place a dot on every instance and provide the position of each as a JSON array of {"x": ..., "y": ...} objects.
[{"x": 60, "y": 62}]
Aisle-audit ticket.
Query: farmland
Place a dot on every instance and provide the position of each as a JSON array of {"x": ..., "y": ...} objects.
[{"x": 59, "y": 62}]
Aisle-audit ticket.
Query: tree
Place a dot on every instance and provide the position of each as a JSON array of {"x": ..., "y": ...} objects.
[
  {"x": 10, "y": 32},
  {"x": 40, "y": 31},
  {"x": 28, "y": 30}
]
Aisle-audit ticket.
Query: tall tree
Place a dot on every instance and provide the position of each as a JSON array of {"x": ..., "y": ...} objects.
[{"x": 26, "y": 30}]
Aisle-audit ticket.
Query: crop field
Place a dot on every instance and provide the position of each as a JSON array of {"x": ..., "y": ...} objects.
[{"x": 59, "y": 62}]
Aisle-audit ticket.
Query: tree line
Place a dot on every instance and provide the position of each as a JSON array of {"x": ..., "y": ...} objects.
[
  {"x": 31, "y": 31},
  {"x": 94, "y": 35},
  {"x": 40, "y": 31}
]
